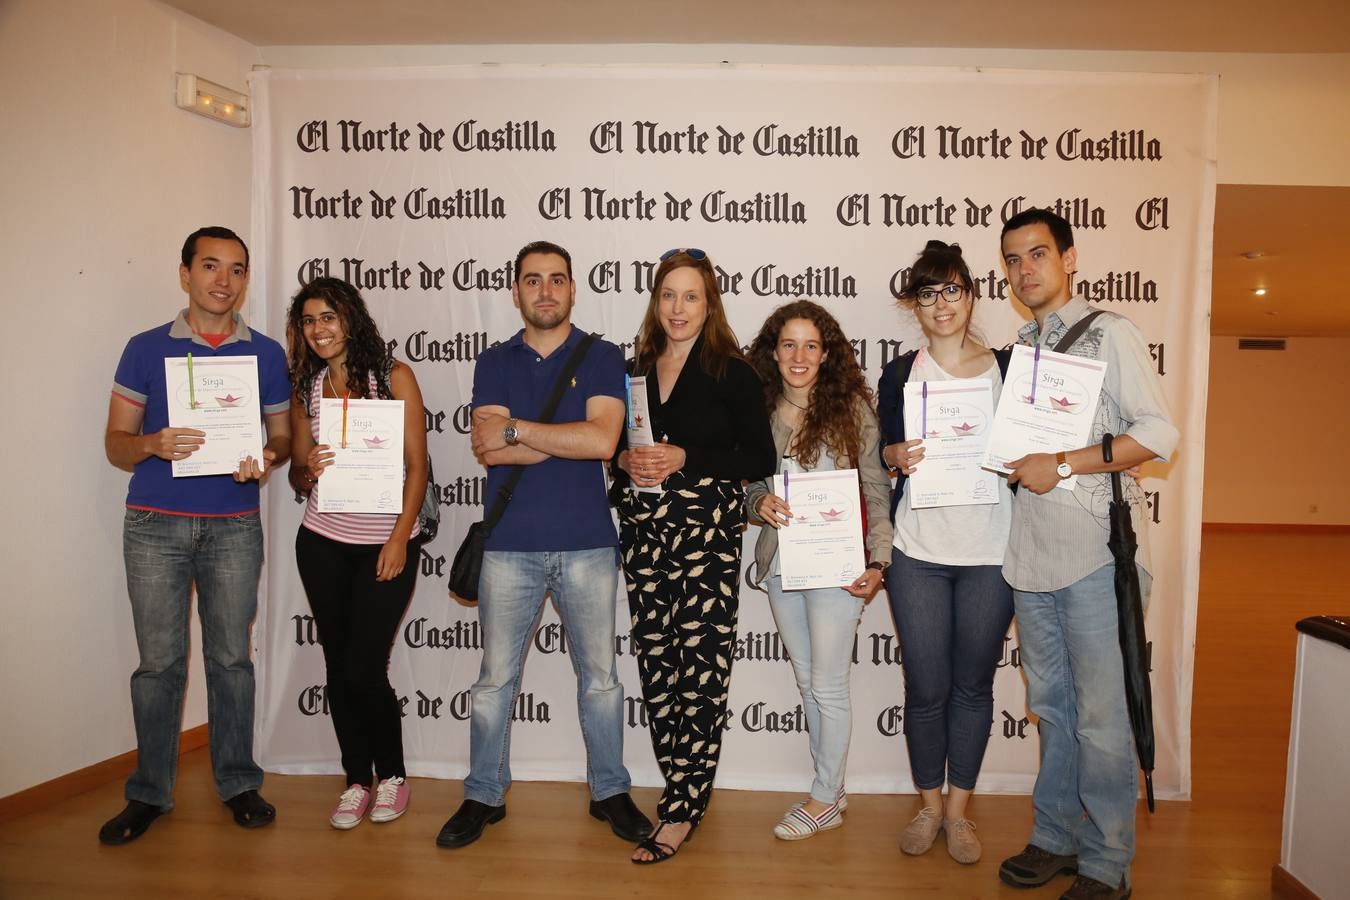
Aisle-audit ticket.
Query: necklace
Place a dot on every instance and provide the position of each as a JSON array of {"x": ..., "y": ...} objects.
[
  {"x": 790, "y": 403},
  {"x": 329, "y": 375}
]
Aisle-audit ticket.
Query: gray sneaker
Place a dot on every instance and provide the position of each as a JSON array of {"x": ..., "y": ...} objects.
[
  {"x": 921, "y": 831},
  {"x": 962, "y": 843}
]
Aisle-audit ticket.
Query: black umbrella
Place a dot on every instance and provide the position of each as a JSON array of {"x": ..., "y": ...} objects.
[{"x": 1130, "y": 619}]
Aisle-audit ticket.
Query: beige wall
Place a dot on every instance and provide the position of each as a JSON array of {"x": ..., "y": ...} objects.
[
  {"x": 101, "y": 178},
  {"x": 1277, "y": 423}
]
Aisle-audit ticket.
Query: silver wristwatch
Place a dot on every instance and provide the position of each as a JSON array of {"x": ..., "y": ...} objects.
[{"x": 511, "y": 434}]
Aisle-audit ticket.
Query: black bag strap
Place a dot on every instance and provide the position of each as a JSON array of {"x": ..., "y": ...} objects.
[
  {"x": 1076, "y": 331},
  {"x": 546, "y": 416}
]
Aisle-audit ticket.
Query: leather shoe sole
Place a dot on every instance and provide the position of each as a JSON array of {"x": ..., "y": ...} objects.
[
  {"x": 450, "y": 839},
  {"x": 632, "y": 831}
]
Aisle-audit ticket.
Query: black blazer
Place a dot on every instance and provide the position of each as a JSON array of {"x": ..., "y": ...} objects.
[{"x": 721, "y": 423}]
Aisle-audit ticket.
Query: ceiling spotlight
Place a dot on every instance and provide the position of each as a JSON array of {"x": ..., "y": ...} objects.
[
  {"x": 1253, "y": 254},
  {"x": 1260, "y": 292}
]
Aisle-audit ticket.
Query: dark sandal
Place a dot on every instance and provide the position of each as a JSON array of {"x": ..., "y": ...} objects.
[
  {"x": 660, "y": 852},
  {"x": 251, "y": 810},
  {"x": 129, "y": 824}
]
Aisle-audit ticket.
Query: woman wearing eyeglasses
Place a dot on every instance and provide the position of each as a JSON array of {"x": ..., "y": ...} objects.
[
  {"x": 951, "y": 605},
  {"x": 682, "y": 546},
  {"x": 820, "y": 408}
]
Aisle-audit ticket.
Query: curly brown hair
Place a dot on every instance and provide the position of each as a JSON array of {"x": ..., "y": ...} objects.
[
  {"x": 719, "y": 341},
  {"x": 840, "y": 397},
  {"x": 367, "y": 353}
]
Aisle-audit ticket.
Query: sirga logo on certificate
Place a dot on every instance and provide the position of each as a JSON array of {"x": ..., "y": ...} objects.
[
  {"x": 1055, "y": 391},
  {"x": 219, "y": 390}
]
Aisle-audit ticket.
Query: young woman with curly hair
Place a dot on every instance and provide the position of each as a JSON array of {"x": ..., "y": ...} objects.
[
  {"x": 820, "y": 410},
  {"x": 355, "y": 566},
  {"x": 951, "y": 605},
  {"x": 682, "y": 546}
]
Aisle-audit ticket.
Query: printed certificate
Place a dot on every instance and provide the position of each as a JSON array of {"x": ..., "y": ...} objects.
[
  {"x": 823, "y": 544},
  {"x": 953, "y": 419},
  {"x": 366, "y": 476},
  {"x": 1048, "y": 404},
  {"x": 638, "y": 425},
  {"x": 218, "y": 395}
]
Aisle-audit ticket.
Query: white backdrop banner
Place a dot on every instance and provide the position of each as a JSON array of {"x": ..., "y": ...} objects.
[{"x": 419, "y": 185}]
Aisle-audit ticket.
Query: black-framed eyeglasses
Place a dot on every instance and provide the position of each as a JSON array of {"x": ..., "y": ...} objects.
[
  {"x": 693, "y": 253},
  {"x": 927, "y": 296}
]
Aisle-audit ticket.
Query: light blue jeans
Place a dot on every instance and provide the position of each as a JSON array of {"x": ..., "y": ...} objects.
[
  {"x": 165, "y": 555},
  {"x": 817, "y": 628},
  {"x": 1088, "y": 784},
  {"x": 510, "y": 602}
]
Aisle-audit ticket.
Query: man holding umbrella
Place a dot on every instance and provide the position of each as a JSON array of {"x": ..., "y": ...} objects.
[{"x": 1063, "y": 577}]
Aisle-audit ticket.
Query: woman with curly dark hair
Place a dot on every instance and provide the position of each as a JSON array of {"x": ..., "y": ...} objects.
[
  {"x": 355, "y": 566},
  {"x": 820, "y": 410},
  {"x": 951, "y": 605},
  {"x": 682, "y": 545}
]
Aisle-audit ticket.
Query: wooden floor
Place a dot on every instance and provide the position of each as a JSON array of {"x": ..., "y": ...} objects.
[{"x": 1222, "y": 844}]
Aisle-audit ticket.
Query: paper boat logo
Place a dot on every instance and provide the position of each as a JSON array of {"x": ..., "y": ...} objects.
[
  {"x": 831, "y": 514},
  {"x": 1063, "y": 404},
  {"x": 932, "y": 433},
  {"x": 376, "y": 442},
  {"x": 637, "y": 421},
  {"x": 229, "y": 400},
  {"x": 964, "y": 429}
]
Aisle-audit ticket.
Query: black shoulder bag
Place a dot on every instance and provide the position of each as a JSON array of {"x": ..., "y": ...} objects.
[{"x": 467, "y": 569}]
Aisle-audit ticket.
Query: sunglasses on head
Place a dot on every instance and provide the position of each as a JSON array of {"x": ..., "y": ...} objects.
[{"x": 693, "y": 253}]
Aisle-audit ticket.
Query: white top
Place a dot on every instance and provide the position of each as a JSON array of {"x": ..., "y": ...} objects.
[{"x": 954, "y": 535}]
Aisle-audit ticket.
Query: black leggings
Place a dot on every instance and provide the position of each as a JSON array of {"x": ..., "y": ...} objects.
[{"x": 357, "y": 618}]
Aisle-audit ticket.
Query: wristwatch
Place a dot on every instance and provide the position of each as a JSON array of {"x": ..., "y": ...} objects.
[
  {"x": 511, "y": 434},
  {"x": 878, "y": 565},
  {"x": 1064, "y": 470}
]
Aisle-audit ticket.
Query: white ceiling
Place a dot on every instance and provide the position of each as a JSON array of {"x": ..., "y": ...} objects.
[
  {"x": 1303, "y": 230},
  {"x": 1306, "y": 26}
]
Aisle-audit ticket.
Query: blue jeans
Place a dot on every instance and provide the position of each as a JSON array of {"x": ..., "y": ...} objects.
[
  {"x": 951, "y": 621},
  {"x": 817, "y": 628},
  {"x": 165, "y": 555},
  {"x": 1088, "y": 782},
  {"x": 510, "y": 602}
]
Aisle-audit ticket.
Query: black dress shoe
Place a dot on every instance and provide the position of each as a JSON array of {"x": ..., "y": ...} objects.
[
  {"x": 468, "y": 822},
  {"x": 623, "y": 816},
  {"x": 129, "y": 824}
]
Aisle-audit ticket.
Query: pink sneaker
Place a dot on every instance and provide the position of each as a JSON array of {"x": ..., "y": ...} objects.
[
  {"x": 351, "y": 808},
  {"x": 391, "y": 800}
]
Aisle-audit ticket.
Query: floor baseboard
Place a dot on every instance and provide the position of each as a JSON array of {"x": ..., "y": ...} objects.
[
  {"x": 82, "y": 780},
  {"x": 1272, "y": 528},
  {"x": 1286, "y": 886}
]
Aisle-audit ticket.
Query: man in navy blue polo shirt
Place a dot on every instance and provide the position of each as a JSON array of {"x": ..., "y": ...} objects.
[
  {"x": 556, "y": 537},
  {"x": 203, "y": 530}
]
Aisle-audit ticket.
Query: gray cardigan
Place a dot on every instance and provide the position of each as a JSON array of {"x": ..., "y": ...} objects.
[{"x": 876, "y": 490}]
